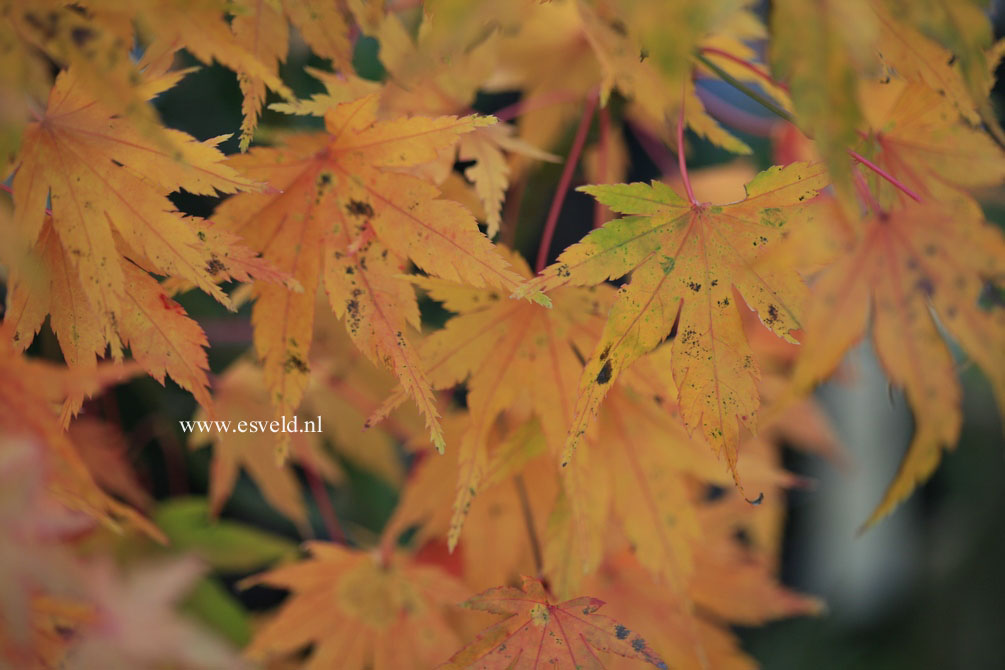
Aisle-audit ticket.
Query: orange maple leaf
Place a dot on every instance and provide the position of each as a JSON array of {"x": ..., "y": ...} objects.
[
  {"x": 359, "y": 611},
  {"x": 30, "y": 391},
  {"x": 564, "y": 636},
  {"x": 111, "y": 223},
  {"x": 898, "y": 266},
  {"x": 349, "y": 216}
]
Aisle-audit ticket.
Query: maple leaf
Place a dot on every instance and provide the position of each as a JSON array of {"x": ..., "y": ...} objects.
[
  {"x": 836, "y": 42},
  {"x": 562, "y": 635},
  {"x": 696, "y": 638},
  {"x": 30, "y": 391},
  {"x": 636, "y": 56},
  {"x": 738, "y": 582},
  {"x": 915, "y": 133},
  {"x": 686, "y": 261},
  {"x": 36, "y": 34},
  {"x": 490, "y": 172},
  {"x": 437, "y": 86},
  {"x": 637, "y": 476},
  {"x": 565, "y": 51},
  {"x": 241, "y": 393},
  {"x": 359, "y": 611},
  {"x": 110, "y": 222},
  {"x": 899, "y": 266},
  {"x": 161, "y": 337},
  {"x": 493, "y": 548},
  {"x": 963, "y": 28},
  {"x": 324, "y": 26},
  {"x": 347, "y": 215},
  {"x": 913, "y": 56},
  {"x": 261, "y": 29},
  {"x": 346, "y": 388},
  {"x": 496, "y": 345},
  {"x": 103, "y": 448},
  {"x": 202, "y": 28}
]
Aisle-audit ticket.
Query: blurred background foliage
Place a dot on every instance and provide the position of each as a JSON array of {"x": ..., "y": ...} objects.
[{"x": 924, "y": 589}]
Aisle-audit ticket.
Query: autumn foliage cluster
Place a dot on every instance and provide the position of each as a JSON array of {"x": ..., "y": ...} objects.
[{"x": 585, "y": 442}]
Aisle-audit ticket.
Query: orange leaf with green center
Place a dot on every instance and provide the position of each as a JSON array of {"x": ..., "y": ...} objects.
[
  {"x": 564, "y": 636},
  {"x": 687, "y": 263}
]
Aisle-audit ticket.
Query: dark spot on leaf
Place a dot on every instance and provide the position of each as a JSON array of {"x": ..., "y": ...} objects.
[
  {"x": 294, "y": 362},
  {"x": 772, "y": 315},
  {"x": 713, "y": 493},
  {"x": 694, "y": 286},
  {"x": 621, "y": 632},
  {"x": 352, "y": 315},
  {"x": 81, "y": 35},
  {"x": 604, "y": 375},
  {"x": 215, "y": 265},
  {"x": 562, "y": 270},
  {"x": 638, "y": 644},
  {"x": 359, "y": 208}
]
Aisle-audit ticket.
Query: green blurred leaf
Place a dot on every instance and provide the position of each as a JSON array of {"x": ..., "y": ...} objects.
[
  {"x": 212, "y": 603},
  {"x": 224, "y": 545}
]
